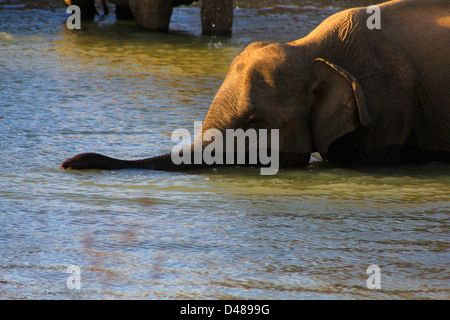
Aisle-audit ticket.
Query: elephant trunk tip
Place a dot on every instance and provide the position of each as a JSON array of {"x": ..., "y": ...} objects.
[
  {"x": 89, "y": 161},
  {"x": 65, "y": 166}
]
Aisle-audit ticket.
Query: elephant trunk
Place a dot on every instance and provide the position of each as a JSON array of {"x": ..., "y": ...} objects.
[
  {"x": 192, "y": 157},
  {"x": 212, "y": 147},
  {"x": 163, "y": 162}
]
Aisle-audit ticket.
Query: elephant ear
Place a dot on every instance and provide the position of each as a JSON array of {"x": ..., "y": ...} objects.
[{"x": 338, "y": 105}]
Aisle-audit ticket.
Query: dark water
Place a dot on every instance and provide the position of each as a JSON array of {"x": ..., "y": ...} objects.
[{"x": 228, "y": 233}]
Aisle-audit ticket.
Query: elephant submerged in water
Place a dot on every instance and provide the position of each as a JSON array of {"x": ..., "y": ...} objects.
[{"x": 354, "y": 94}]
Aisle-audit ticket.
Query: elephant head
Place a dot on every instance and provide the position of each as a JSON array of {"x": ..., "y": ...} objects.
[{"x": 311, "y": 101}]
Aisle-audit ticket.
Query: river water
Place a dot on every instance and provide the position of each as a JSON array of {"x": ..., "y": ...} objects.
[{"x": 211, "y": 234}]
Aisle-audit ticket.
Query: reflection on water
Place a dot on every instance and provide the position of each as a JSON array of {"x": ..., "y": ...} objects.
[{"x": 225, "y": 233}]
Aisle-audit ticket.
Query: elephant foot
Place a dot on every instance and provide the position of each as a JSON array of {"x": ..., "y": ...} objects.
[
  {"x": 217, "y": 17},
  {"x": 152, "y": 15}
]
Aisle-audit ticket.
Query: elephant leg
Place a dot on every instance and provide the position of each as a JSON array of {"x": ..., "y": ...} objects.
[
  {"x": 124, "y": 13},
  {"x": 105, "y": 8},
  {"x": 87, "y": 8},
  {"x": 217, "y": 17},
  {"x": 153, "y": 15}
]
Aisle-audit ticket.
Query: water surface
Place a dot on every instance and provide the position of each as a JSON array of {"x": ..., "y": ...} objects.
[{"x": 220, "y": 234}]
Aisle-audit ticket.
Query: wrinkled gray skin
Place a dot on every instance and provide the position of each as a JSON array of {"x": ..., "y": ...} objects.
[{"x": 357, "y": 96}]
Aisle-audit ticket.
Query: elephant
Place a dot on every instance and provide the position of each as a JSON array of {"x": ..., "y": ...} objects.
[
  {"x": 123, "y": 11},
  {"x": 357, "y": 95},
  {"x": 154, "y": 15},
  {"x": 87, "y": 8}
]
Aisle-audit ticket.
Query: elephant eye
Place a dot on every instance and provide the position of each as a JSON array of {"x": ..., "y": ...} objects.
[{"x": 252, "y": 120}]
